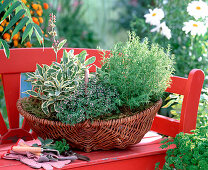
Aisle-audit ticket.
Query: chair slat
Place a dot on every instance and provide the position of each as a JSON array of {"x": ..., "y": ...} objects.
[
  {"x": 11, "y": 85},
  {"x": 165, "y": 125},
  {"x": 191, "y": 101},
  {"x": 3, "y": 127},
  {"x": 25, "y": 60},
  {"x": 178, "y": 85},
  {"x": 25, "y": 125}
]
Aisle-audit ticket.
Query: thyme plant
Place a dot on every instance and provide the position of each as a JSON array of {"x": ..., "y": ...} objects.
[
  {"x": 139, "y": 71},
  {"x": 98, "y": 101}
]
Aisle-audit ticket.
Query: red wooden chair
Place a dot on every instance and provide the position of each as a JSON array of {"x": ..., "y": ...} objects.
[{"x": 141, "y": 156}]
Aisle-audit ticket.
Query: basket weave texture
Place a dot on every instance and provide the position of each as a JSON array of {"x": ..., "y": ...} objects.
[{"x": 96, "y": 135}]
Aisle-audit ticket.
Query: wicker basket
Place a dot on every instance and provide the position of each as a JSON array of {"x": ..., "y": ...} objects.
[{"x": 104, "y": 135}]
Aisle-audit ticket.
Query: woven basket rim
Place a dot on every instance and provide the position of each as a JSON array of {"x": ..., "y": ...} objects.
[{"x": 94, "y": 122}]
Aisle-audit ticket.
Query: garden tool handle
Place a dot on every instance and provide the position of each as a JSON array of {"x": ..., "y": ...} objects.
[{"x": 27, "y": 149}]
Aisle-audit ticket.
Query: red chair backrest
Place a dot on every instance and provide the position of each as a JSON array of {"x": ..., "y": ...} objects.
[{"x": 25, "y": 60}]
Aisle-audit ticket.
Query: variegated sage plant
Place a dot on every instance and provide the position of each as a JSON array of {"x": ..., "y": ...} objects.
[{"x": 55, "y": 83}]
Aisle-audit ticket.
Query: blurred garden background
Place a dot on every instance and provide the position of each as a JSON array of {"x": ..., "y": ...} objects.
[{"x": 101, "y": 23}]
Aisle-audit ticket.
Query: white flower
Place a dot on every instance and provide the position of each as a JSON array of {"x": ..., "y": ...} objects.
[
  {"x": 154, "y": 17},
  {"x": 163, "y": 29},
  {"x": 198, "y": 9},
  {"x": 195, "y": 27}
]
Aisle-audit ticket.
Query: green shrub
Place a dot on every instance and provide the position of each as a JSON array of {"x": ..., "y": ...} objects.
[
  {"x": 191, "y": 151},
  {"x": 99, "y": 101},
  {"x": 140, "y": 72}
]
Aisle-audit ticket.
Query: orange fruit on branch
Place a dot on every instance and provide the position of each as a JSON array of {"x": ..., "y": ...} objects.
[{"x": 45, "y": 6}]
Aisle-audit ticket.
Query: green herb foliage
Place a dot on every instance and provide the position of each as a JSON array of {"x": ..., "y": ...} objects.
[
  {"x": 61, "y": 146},
  {"x": 55, "y": 83},
  {"x": 140, "y": 72},
  {"x": 191, "y": 151},
  {"x": 98, "y": 100}
]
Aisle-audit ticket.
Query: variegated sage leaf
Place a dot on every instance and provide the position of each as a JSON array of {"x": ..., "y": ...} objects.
[
  {"x": 49, "y": 84},
  {"x": 90, "y": 61},
  {"x": 82, "y": 56},
  {"x": 32, "y": 93},
  {"x": 40, "y": 69}
]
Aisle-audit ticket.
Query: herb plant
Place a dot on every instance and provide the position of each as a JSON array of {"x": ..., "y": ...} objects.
[
  {"x": 191, "y": 151},
  {"x": 54, "y": 83},
  {"x": 140, "y": 72},
  {"x": 98, "y": 101}
]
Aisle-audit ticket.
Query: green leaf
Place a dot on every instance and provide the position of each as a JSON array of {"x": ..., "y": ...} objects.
[
  {"x": 59, "y": 75},
  {"x": 38, "y": 33},
  {"x": 49, "y": 102},
  {"x": 48, "y": 141},
  {"x": 10, "y": 10},
  {"x": 61, "y": 97},
  {"x": 57, "y": 93},
  {"x": 4, "y": 5},
  {"x": 40, "y": 69},
  {"x": 51, "y": 71},
  {"x": 169, "y": 104},
  {"x": 65, "y": 56},
  {"x": 28, "y": 29},
  {"x": 66, "y": 83},
  {"x": 44, "y": 107},
  {"x": 82, "y": 56},
  {"x": 41, "y": 140},
  {"x": 58, "y": 65},
  {"x": 14, "y": 19},
  {"x": 20, "y": 26},
  {"x": 6, "y": 47},
  {"x": 56, "y": 81},
  {"x": 61, "y": 44},
  {"x": 35, "y": 145},
  {"x": 43, "y": 97},
  {"x": 38, "y": 29},
  {"x": 90, "y": 61},
  {"x": 49, "y": 84},
  {"x": 32, "y": 93}
]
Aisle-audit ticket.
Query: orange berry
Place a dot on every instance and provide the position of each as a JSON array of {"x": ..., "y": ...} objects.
[
  {"x": 39, "y": 12},
  {"x": 31, "y": 12},
  {"x": 15, "y": 43},
  {"x": 41, "y": 20},
  {"x": 35, "y": 20},
  {"x": 16, "y": 36},
  {"x": 45, "y": 5},
  {"x": 23, "y": 29},
  {"x": 6, "y": 36},
  {"x": 24, "y": 1},
  {"x": 46, "y": 35},
  {"x": 28, "y": 6},
  {"x": 35, "y": 6},
  {"x": 1, "y": 28},
  {"x": 39, "y": 7},
  {"x": 28, "y": 44}
]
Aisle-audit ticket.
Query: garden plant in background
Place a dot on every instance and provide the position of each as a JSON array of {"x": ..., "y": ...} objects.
[
  {"x": 18, "y": 21},
  {"x": 72, "y": 26},
  {"x": 182, "y": 29}
]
